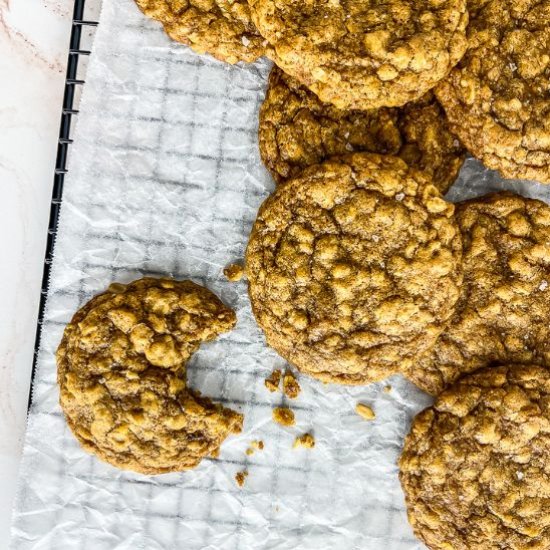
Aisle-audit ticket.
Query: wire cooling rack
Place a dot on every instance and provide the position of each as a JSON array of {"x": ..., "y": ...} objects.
[{"x": 64, "y": 141}]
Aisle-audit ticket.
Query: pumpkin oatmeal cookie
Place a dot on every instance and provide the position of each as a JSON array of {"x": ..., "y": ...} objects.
[
  {"x": 497, "y": 99},
  {"x": 475, "y": 466},
  {"x": 221, "y": 28},
  {"x": 368, "y": 54},
  {"x": 503, "y": 313},
  {"x": 354, "y": 268},
  {"x": 121, "y": 373},
  {"x": 298, "y": 130}
]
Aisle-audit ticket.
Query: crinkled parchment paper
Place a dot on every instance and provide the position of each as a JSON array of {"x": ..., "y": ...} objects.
[{"x": 165, "y": 179}]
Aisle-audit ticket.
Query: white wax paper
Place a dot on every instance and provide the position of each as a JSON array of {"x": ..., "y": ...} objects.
[{"x": 165, "y": 179}]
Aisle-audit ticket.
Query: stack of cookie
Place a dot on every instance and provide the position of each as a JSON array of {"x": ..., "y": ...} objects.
[
  {"x": 358, "y": 268},
  {"x": 491, "y": 74}
]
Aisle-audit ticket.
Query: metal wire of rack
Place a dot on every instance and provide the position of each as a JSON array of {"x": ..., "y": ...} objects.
[{"x": 63, "y": 143}]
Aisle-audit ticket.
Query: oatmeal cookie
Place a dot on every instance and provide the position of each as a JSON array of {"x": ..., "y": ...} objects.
[
  {"x": 121, "y": 373},
  {"x": 221, "y": 28},
  {"x": 364, "y": 55},
  {"x": 503, "y": 313},
  {"x": 354, "y": 268},
  {"x": 497, "y": 99},
  {"x": 298, "y": 130},
  {"x": 475, "y": 466}
]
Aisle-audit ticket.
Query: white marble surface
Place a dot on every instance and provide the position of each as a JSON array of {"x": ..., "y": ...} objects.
[{"x": 34, "y": 38}]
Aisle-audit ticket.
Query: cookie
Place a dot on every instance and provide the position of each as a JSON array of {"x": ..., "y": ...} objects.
[
  {"x": 497, "y": 98},
  {"x": 298, "y": 130},
  {"x": 121, "y": 373},
  {"x": 353, "y": 267},
  {"x": 221, "y": 28},
  {"x": 364, "y": 55},
  {"x": 503, "y": 313},
  {"x": 475, "y": 466}
]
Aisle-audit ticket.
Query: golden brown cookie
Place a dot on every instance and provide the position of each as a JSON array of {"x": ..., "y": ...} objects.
[
  {"x": 368, "y": 54},
  {"x": 475, "y": 467},
  {"x": 498, "y": 99},
  {"x": 354, "y": 268},
  {"x": 121, "y": 373},
  {"x": 298, "y": 130},
  {"x": 221, "y": 28},
  {"x": 503, "y": 313}
]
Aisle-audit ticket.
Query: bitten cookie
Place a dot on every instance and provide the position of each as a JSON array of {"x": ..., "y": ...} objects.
[
  {"x": 475, "y": 467},
  {"x": 364, "y": 55},
  {"x": 221, "y": 28},
  {"x": 298, "y": 130},
  {"x": 121, "y": 373},
  {"x": 354, "y": 268},
  {"x": 503, "y": 313},
  {"x": 497, "y": 98}
]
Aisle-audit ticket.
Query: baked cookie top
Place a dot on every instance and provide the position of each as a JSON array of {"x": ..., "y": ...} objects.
[
  {"x": 368, "y": 54},
  {"x": 503, "y": 313},
  {"x": 497, "y": 98},
  {"x": 353, "y": 267},
  {"x": 121, "y": 373},
  {"x": 475, "y": 466},
  {"x": 221, "y": 28},
  {"x": 298, "y": 130}
]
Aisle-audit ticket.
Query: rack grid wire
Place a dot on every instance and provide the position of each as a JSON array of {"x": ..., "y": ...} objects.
[{"x": 64, "y": 141}]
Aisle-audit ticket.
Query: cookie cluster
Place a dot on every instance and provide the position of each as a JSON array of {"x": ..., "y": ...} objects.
[
  {"x": 357, "y": 267},
  {"x": 487, "y": 62}
]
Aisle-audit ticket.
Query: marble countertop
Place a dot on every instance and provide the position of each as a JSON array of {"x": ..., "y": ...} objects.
[{"x": 34, "y": 39}]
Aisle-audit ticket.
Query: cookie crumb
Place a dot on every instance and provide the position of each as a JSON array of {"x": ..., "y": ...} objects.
[
  {"x": 256, "y": 445},
  {"x": 240, "y": 477},
  {"x": 273, "y": 381},
  {"x": 116, "y": 288},
  {"x": 291, "y": 388},
  {"x": 234, "y": 272},
  {"x": 283, "y": 416},
  {"x": 387, "y": 389},
  {"x": 365, "y": 411},
  {"x": 306, "y": 440}
]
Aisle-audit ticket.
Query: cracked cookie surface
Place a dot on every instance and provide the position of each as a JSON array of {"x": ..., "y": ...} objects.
[
  {"x": 121, "y": 373},
  {"x": 503, "y": 313},
  {"x": 354, "y": 267},
  {"x": 298, "y": 130},
  {"x": 221, "y": 28},
  {"x": 497, "y": 98},
  {"x": 364, "y": 55},
  {"x": 475, "y": 467}
]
